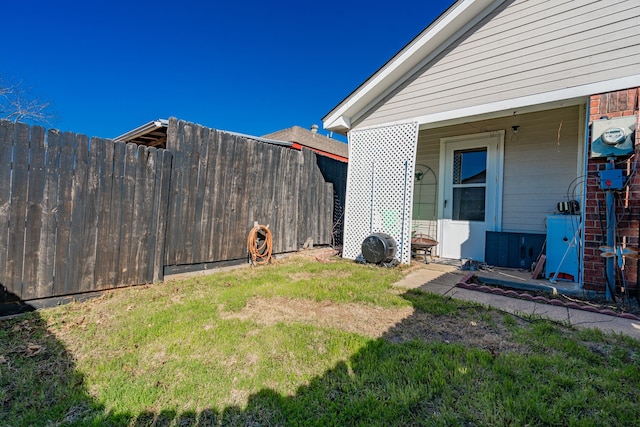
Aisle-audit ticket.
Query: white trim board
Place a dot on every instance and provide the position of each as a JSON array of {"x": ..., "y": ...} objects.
[{"x": 526, "y": 104}]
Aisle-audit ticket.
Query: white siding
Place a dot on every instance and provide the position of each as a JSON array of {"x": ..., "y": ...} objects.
[
  {"x": 540, "y": 163},
  {"x": 525, "y": 47}
]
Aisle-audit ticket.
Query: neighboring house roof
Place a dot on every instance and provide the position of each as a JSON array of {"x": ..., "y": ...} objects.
[
  {"x": 313, "y": 140},
  {"x": 499, "y": 55}
]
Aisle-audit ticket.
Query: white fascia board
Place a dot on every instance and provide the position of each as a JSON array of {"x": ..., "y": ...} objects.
[
  {"x": 434, "y": 38},
  {"x": 563, "y": 97}
]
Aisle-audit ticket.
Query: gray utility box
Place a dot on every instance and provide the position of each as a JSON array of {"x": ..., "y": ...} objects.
[
  {"x": 512, "y": 250},
  {"x": 613, "y": 137}
]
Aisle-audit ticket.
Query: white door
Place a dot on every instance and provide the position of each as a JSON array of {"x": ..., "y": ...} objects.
[{"x": 470, "y": 197}]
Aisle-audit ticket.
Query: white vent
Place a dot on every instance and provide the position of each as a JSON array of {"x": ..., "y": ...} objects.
[{"x": 380, "y": 186}]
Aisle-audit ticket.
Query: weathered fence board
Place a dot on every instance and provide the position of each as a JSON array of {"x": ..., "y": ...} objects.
[
  {"x": 205, "y": 229},
  {"x": 34, "y": 219},
  {"x": 91, "y": 216},
  {"x": 224, "y": 214},
  {"x": 46, "y": 264},
  {"x": 294, "y": 193},
  {"x": 303, "y": 205},
  {"x": 198, "y": 223},
  {"x": 78, "y": 216},
  {"x": 137, "y": 220},
  {"x": 159, "y": 180},
  {"x": 186, "y": 208},
  {"x": 6, "y": 149},
  {"x": 216, "y": 191},
  {"x": 177, "y": 195},
  {"x": 78, "y": 207},
  {"x": 63, "y": 214},
  {"x": 161, "y": 209},
  {"x": 279, "y": 216},
  {"x": 115, "y": 213},
  {"x": 127, "y": 209},
  {"x": 17, "y": 210}
]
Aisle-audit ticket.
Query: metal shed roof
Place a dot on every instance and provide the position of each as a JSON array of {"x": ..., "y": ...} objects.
[{"x": 154, "y": 134}]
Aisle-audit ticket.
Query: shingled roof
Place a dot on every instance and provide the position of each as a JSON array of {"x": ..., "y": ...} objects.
[{"x": 313, "y": 140}]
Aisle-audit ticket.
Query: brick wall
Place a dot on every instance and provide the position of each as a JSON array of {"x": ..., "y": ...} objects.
[{"x": 612, "y": 104}]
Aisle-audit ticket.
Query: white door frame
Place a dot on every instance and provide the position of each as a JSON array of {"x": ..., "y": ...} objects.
[{"x": 494, "y": 140}]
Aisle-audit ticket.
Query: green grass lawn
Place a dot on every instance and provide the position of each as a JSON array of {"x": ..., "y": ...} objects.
[{"x": 307, "y": 343}]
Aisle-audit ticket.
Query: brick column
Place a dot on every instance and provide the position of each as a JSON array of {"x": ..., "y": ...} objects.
[{"x": 612, "y": 104}]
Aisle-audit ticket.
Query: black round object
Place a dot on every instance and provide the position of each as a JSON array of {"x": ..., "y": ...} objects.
[{"x": 379, "y": 247}]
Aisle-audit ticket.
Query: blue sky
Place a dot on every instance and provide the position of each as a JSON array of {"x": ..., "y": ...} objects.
[{"x": 253, "y": 67}]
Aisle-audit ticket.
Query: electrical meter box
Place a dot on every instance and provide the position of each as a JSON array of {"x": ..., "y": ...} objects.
[{"x": 613, "y": 137}]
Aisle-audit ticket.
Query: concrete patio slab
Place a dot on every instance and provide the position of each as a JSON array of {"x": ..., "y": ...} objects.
[{"x": 442, "y": 279}]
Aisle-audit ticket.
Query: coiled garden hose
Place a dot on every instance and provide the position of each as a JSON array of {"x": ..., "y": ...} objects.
[{"x": 260, "y": 244}]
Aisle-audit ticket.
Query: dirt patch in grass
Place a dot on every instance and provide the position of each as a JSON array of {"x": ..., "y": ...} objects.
[
  {"x": 396, "y": 325},
  {"x": 364, "y": 320},
  {"x": 463, "y": 327}
]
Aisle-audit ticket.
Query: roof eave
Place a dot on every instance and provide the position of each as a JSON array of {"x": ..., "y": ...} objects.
[
  {"x": 446, "y": 28},
  {"x": 340, "y": 124},
  {"x": 142, "y": 130}
]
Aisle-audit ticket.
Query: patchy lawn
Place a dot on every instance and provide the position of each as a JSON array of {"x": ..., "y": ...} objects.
[{"x": 307, "y": 343}]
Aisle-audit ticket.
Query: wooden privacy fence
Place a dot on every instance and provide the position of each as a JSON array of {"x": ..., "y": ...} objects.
[
  {"x": 78, "y": 215},
  {"x": 223, "y": 182}
]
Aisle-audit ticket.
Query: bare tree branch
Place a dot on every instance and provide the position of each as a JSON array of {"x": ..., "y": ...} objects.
[{"x": 20, "y": 105}]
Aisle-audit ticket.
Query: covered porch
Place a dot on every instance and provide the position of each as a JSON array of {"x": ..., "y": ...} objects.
[{"x": 485, "y": 189}]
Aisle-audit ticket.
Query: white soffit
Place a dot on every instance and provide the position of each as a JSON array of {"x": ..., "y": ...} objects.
[
  {"x": 527, "y": 104},
  {"x": 436, "y": 37}
]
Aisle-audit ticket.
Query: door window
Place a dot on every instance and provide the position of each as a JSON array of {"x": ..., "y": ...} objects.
[{"x": 469, "y": 184}]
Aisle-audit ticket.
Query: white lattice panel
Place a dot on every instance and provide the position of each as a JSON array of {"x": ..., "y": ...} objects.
[{"x": 380, "y": 186}]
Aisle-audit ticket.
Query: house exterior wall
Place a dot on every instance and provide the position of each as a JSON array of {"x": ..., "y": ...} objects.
[
  {"x": 541, "y": 164},
  {"x": 523, "y": 48},
  {"x": 627, "y": 213}
]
